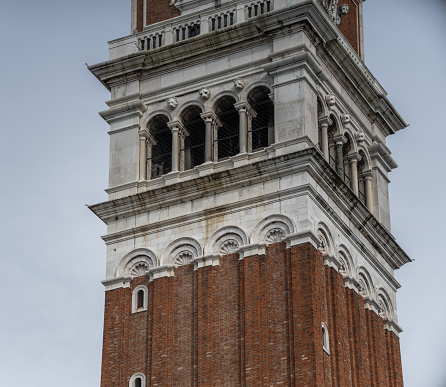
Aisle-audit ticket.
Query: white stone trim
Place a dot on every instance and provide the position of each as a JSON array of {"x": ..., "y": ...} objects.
[
  {"x": 135, "y": 292},
  {"x": 331, "y": 261},
  {"x": 206, "y": 260},
  {"x": 135, "y": 376},
  {"x": 252, "y": 249},
  {"x": 325, "y": 339},
  {"x": 117, "y": 282},
  {"x": 307, "y": 236},
  {"x": 161, "y": 271}
]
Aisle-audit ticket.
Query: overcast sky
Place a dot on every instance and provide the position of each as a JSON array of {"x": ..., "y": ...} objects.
[{"x": 54, "y": 160}]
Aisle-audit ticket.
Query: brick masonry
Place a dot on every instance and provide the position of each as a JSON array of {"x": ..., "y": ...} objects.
[{"x": 250, "y": 322}]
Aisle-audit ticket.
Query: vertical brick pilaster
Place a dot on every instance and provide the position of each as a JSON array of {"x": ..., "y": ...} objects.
[
  {"x": 377, "y": 352},
  {"x": 159, "y": 10},
  {"x": 339, "y": 343},
  {"x": 207, "y": 355},
  {"x": 358, "y": 341},
  {"x": 395, "y": 371},
  {"x": 307, "y": 286},
  {"x": 162, "y": 341},
  {"x": 140, "y": 15},
  {"x": 183, "y": 325},
  {"x": 253, "y": 314}
]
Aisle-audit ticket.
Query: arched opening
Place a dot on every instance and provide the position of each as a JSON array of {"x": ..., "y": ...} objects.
[
  {"x": 262, "y": 125},
  {"x": 194, "y": 143},
  {"x": 138, "y": 382},
  {"x": 332, "y": 130},
  {"x": 361, "y": 179},
  {"x": 228, "y": 132},
  {"x": 346, "y": 149},
  {"x": 159, "y": 160},
  {"x": 140, "y": 299},
  {"x": 320, "y": 114}
]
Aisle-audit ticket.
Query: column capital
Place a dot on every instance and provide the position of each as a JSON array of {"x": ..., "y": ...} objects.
[
  {"x": 144, "y": 134},
  {"x": 354, "y": 156},
  {"x": 339, "y": 139},
  {"x": 368, "y": 174},
  {"x": 246, "y": 107},
  {"x": 210, "y": 117},
  {"x": 325, "y": 121},
  {"x": 177, "y": 126}
]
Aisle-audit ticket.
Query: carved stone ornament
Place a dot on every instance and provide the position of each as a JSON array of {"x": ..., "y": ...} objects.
[
  {"x": 362, "y": 289},
  {"x": 139, "y": 269},
  {"x": 172, "y": 102},
  {"x": 345, "y": 118},
  {"x": 183, "y": 258},
  {"x": 239, "y": 84},
  {"x": 205, "y": 93},
  {"x": 382, "y": 308},
  {"x": 360, "y": 136},
  {"x": 334, "y": 11},
  {"x": 229, "y": 247},
  {"x": 342, "y": 265},
  {"x": 275, "y": 235},
  {"x": 321, "y": 245},
  {"x": 330, "y": 99}
]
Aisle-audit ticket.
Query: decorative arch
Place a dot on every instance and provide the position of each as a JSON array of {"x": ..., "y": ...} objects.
[
  {"x": 273, "y": 229},
  {"x": 185, "y": 105},
  {"x": 226, "y": 240},
  {"x": 386, "y": 306},
  {"x": 322, "y": 110},
  {"x": 182, "y": 251},
  {"x": 346, "y": 260},
  {"x": 252, "y": 86},
  {"x": 324, "y": 235},
  {"x": 366, "y": 287},
  {"x": 140, "y": 299},
  {"x": 228, "y": 133},
  {"x": 145, "y": 121},
  {"x": 159, "y": 150},
  {"x": 136, "y": 263},
  {"x": 224, "y": 93}
]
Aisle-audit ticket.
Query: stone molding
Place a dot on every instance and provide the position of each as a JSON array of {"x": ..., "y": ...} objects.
[
  {"x": 252, "y": 249},
  {"x": 206, "y": 260},
  {"x": 161, "y": 272}
]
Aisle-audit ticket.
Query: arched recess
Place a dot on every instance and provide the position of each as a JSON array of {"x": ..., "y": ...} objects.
[
  {"x": 261, "y": 130},
  {"x": 182, "y": 251},
  {"x": 346, "y": 261},
  {"x": 366, "y": 287},
  {"x": 321, "y": 113},
  {"x": 226, "y": 240},
  {"x": 273, "y": 229},
  {"x": 228, "y": 135},
  {"x": 386, "y": 306},
  {"x": 327, "y": 242},
  {"x": 347, "y": 149},
  {"x": 136, "y": 263},
  {"x": 159, "y": 152},
  {"x": 334, "y": 130},
  {"x": 364, "y": 172},
  {"x": 192, "y": 153}
]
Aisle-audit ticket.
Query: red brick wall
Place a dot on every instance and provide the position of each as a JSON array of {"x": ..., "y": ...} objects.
[
  {"x": 253, "y": 322},
  {"x": 350, "y": 24},
  {"x": 156, "y": 11}
]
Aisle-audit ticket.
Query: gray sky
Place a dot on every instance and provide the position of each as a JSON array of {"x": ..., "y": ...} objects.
[{"x": 54, "y": 158}]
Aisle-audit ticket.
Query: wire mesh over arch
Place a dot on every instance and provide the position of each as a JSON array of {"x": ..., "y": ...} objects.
[
  {"x": 262, "y": 126},
  {"x": 228, "y": 133},
  {"x": 159, "y": 161},
  {"x": 194, "y": 143}
]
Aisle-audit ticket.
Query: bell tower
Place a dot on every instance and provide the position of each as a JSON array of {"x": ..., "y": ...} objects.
[{"x": 248, "y": 225}]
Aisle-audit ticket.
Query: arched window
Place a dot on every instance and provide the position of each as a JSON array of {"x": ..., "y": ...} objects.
[
  {"x": 320, "y": 114},
  {"x": 194, "y": 143},
  {"x": 137, "y": 380},
  {"x": 159, "y": 160},
  {"x": 361, "y": 180},
  {"x": 228, "y": 133},
  {"x": 262, "y": 126},
  {"x": 346, "y": 149},
  {"x": 332, "y": 130},
  {"x": 139, "y": 299}
]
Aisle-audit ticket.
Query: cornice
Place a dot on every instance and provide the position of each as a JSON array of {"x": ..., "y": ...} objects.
[{"x": 308, "y": 160}]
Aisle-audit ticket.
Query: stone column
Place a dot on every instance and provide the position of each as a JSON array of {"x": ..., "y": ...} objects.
[
  {"x": 143, "y": 134},
  {"x": 177, "y": 130},
  {"x": 368, "y": 176},
  {"x": 211, "y": 121},
  {"x": 243, "y": 109},
  {"x": 354, "y": 158},
  {"x": 324, "y": 124},
  {"x": 340, "y": 140}
]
